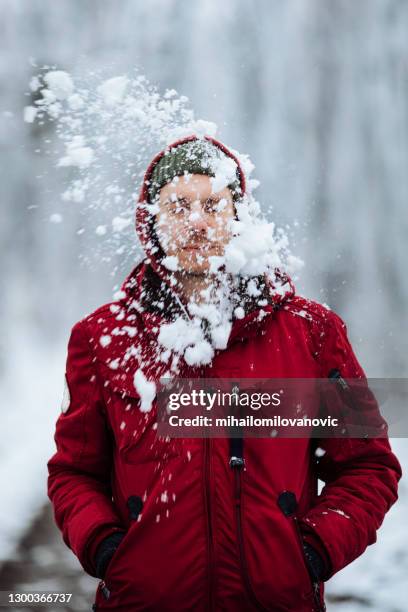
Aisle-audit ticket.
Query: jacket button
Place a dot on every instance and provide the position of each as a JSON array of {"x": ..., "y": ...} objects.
[
  {"x": 135, "y": 505},
  {"x": 287, "y": 502}
]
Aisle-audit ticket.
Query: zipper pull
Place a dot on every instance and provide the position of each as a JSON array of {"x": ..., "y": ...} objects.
[
  {"x": 237, "y": 460},
  {"x": 105, "y": 590}
]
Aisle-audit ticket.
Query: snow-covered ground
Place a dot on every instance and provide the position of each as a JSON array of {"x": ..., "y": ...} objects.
[
  {"x": 30, "y": 398},
  {"x": 378, "y": 580}
]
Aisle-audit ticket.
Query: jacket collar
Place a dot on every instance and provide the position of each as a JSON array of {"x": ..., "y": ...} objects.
[{"x": 157, "y": 303}]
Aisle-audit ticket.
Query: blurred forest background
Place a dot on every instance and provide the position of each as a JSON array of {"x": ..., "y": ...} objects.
[{"x": 316, "y": 93}]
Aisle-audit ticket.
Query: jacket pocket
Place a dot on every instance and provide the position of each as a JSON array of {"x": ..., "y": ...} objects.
[
  {"x": 288, "y": 505},
  {"x": 107, "y": 584}
]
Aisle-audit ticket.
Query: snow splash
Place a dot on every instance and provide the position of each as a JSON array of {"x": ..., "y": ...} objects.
[{"x": 109, "y": 129}]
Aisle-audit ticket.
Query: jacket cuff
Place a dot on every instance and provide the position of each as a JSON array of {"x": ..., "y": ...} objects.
[
  {"x": 310, "y": 537},
  {"x": 97, "y": 539}
]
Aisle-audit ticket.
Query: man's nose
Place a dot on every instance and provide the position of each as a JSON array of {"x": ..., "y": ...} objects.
[{"x": 197, "y": 218}]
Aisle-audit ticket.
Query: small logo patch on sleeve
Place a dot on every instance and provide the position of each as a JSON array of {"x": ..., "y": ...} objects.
[{"x": 66, "y": 398}]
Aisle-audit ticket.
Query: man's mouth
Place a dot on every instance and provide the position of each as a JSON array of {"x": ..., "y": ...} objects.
[
  {"x": 195, "y": 247},
  {"x": 200, "y": 247}
]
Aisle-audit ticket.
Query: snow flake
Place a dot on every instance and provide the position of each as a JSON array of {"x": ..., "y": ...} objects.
[
  {"x": 338, "y": 511},
  {"x": 56, "y": 218},
  {"x": 114, "y": 364},
  {"x": 105, "y": 340}
]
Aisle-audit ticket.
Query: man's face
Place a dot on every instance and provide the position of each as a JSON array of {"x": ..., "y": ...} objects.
[{"x": 193, "y": 223}]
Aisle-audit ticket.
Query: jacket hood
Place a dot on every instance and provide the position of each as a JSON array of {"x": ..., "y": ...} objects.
[{"x": 281, "y": 288}]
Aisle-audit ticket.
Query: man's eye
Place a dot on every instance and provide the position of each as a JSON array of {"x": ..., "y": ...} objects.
[
  {"x": 211, "y": 206},
  {"x": 178, "y": 208}
]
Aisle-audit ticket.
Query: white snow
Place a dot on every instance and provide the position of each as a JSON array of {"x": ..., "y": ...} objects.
[
  {"x": 146, "y": 389},
  {"x": 170, "y": 262},
  {"x": 59, "y": 83},
  {"x": 200, "y": 353},
  {"x": 113, "y": 90},
  {"x": 56, "y": 218},
  {"x": 105, "y": 340},
  {"x": 27, "y": 427},
  {"x": 239, "y": 312},
  {"x": 119, "y": 224},
  {"x": 225, "y": 172},
  {"x": 30, "y": 113},
  {"x": 77, "y": 154}
]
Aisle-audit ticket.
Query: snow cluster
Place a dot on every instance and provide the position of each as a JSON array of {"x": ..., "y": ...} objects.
[
  {"x": 109, "y": 129},
  {"x": 186, "y": 336}
]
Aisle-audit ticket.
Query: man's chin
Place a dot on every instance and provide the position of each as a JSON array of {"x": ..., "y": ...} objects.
[
  {"x": 195, "y": 268},
  {"x": 202, "y": 270}
]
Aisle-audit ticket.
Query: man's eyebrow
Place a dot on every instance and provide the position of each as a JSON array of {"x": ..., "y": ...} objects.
[
  {"x": 168, "y": 200},
  {"x": 187, "y": 198}
]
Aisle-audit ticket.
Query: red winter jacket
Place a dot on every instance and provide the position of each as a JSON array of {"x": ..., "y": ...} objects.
[{"x": 201, "y": 535}]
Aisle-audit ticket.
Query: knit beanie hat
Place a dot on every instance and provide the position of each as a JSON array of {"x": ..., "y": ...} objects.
[{"x": 196, "y": 157}]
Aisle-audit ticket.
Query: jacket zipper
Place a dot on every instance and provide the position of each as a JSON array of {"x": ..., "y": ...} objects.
[
  {"x": 243, "y": 561},
  {"x": 237, "y": 463},
  {"x": 207, "y": 493}
]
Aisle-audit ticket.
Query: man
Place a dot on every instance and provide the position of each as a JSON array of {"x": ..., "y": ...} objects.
[{"x": 172, "y": 524}]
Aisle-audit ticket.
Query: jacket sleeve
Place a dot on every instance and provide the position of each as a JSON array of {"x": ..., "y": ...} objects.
[
  {"x": 79, "y": 472},
  {"x": 360, "y": 474}
]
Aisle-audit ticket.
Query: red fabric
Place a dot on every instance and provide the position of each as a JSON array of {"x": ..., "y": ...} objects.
[{"x": 182, "y": 553}]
